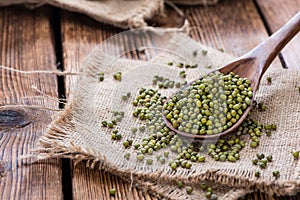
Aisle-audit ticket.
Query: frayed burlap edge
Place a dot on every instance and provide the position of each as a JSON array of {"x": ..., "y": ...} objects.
[
  {"x": 152, "y": 186},
  {"x": 50, "y": 149},
  {"x": 167, "y": 191}
]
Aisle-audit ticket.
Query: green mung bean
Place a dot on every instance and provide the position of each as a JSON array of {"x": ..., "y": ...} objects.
[
  {"x": 209, "y": 189},
  {"x": 260, "y": 155},
  {"x": 112, "y": 192},
  {"x": 101, "y": 76},
  {"x": 255, "y": 161},
  {"x": 221, "y": 49},
  {"x": 262, "y": 165},
  {"x": 180, "y": 65},
  {"x": 149, "y": 161},
  {"x": 257, "y": 174},
  {"x": 195, "y": 53},
  {"x": 118, "y": 76},
  {"x": 295, "y": 154},
  {"x": 133, "y": 130},
  {"x": 189, "y": 189},
  {"x": 204, "y": 52},
  {"x": 203, "y": 186},
  {"x": 140, "y": 157},
  {"x": 170, "y": 63},
  {"x": 269, "y": 158},
  {"x": 180, "y": 184},
  {"x": 104, "y": 123},
  {"x": 274, "y": 127},
  {"x": 276, "y": 174},
  {"x": 182, "y": 74},
  {"x": 127, "y": 156},
  {"x": 173, "y": 166},
  {"x": 208, "y": 195}
]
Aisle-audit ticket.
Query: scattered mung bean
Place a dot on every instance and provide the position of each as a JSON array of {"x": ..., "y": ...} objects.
[
  {"x": 276, "y": 174},
  {"x": 118, "y": 76},
  {"x": 180, "y": 184},
  {"x": 269, "y": 80},
  {"x": 189, "y": 189},
  {"x": 112, "y": 192},
  {"x": 101, "y": 76},
  {"x": 296, "y": 154}
]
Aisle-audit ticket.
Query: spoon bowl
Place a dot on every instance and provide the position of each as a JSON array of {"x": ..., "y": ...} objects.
[{"x": 252, "y": 66}]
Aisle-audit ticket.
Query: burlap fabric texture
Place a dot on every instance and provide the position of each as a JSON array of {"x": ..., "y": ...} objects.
[
  {"x": 77, "y": 132},
  {"x": 120, "y": 13},
  {"x": 194, "y": 2}
]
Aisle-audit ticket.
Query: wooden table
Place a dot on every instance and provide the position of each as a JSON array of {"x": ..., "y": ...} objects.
[{"x": 48, "y": 38}]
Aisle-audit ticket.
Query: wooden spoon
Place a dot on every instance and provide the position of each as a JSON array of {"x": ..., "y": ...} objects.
[{"x": 252, "y": 65}]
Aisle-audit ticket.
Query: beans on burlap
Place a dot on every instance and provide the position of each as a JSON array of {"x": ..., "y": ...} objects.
[{"x": 77, "y": 132}]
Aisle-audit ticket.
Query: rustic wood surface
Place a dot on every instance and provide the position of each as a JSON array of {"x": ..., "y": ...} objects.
[
  {"x": 47, "y": 35},
  {"x": 277, "y": 13},
  {"x": 236, "y": 30},
  {"x": 26, "y": 44}
]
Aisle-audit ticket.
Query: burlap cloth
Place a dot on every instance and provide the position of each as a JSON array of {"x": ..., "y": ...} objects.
[
  {"x": 194, "y": 2},
  {"x": 77, "y": 133},
  {"x": 120, "y": 13}
]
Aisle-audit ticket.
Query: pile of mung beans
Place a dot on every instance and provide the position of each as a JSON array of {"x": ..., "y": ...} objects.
[
  {"x": 149, "y": 104},
  {"x": 207, "y": 106},
  {"x": 210, "y": 105}
]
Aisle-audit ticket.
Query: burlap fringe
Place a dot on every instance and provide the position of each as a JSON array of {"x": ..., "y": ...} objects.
[{"x": 51, "y": 149}]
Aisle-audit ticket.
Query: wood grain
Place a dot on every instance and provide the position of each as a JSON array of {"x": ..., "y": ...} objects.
[
  {"x": 276, "y": 13},
  {"x": 26, "y": 44},
  {"x": 234, "y": 26}
]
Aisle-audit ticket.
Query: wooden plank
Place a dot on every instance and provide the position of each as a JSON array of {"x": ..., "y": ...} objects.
[
  {"x": 276, "y": 14},
  {"x": 80, "y": 35},
  {"x": 234, "y": 26},
  {"x": 26, "y": 44}
]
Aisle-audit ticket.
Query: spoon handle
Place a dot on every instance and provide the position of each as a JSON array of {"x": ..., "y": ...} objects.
[{"x": 266, "y": 52}]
